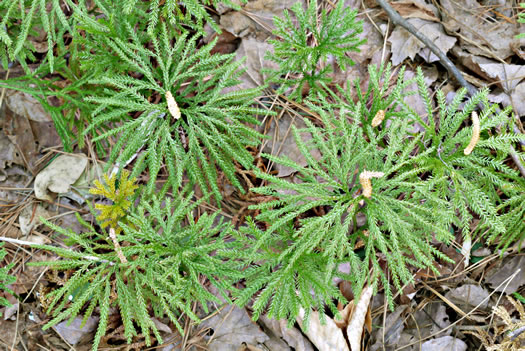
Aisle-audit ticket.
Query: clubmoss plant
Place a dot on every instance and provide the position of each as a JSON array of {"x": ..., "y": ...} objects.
[
  {"x": 154, "y": 267},
  {"x": 209, "y": 130},
  {"x": 304, "y": 45},
  {"x": 412, "y": 189},
  {"x": 22, "y": 19},
  {"x": 470, "y": 163}
]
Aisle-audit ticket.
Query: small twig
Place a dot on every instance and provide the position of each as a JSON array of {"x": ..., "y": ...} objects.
[
  {"x": 28, "y": 243},
  {"x": 445, "y": 61}
]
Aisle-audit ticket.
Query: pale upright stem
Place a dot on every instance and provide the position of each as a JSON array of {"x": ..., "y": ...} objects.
[{"x": 118, "y": 249}]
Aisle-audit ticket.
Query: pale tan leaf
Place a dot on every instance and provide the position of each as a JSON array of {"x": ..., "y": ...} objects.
[
  {"x": 327, "y": 337},
  {"x": 59, "y": 175},
  {"x": 357, "y": 323}
]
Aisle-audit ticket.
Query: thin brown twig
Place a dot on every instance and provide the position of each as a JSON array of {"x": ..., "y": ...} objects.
[{"x": 445, "y": 61}]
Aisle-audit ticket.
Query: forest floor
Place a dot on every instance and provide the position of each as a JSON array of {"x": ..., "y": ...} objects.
[{"x": 436, "y": 313}]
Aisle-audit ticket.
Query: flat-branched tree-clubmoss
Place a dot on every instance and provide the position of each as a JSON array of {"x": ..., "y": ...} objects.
[
  {"x": 209, "y": 129},
  {"x": 154, "y": 268}
]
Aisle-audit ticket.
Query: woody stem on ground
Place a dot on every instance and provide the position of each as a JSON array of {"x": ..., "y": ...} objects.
[{"x": 445, "y": 61}]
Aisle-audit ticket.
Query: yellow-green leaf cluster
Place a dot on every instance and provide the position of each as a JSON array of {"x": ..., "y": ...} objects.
[{"x": 119, "y": 194}]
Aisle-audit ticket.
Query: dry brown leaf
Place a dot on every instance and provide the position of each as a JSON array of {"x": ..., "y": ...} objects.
[
  {"x": 415, "y": 9},
  {"x": 483, "y": 32},
  {"x": 231, "y": 328},
  {"x": 508, "y": 76},
  {"x": 18, "y": 130},
  {"x": 405, "y": 44},
  {"x": 30, "y": 217},
  {"x": 255, "y": 18},
  {"x": 518, "y": 100},
  {"x": 469, "y": 296},
  {"x": 507, "y": 268},
  {"x": 345, "y": 315},
  {"x": 23, "y": 104},
  {"x": 389, "y": 337},
  {"x": 282, "y": 142},
  {"x": 292, "y": 336},
  {"x": 72, "y": 333}
]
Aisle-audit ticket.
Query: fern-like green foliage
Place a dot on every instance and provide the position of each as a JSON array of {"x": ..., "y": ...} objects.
[
  {"x": 73, "y": 112},
  {"x": 119, "y": 194},
  {"x": 21, "y": 19},
  {"x": 411, "y": 188},
  {"x": 186, "y": 13},
  {"x": 156, "y": 268},
  {"x": 211, "y": 130},
  {"x": 512, "y": 212},
  {"x": 306, "y": 42},
  {"x": 472, "y": 183},
  {"x": 5, "y": 278},
  {"x": 290, "y": 282}
]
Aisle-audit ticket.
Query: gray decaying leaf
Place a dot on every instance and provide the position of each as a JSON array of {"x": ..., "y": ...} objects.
[
  {"x": 282, "y": 142},
  {"x": 469, "y": 296},
  {"x": 231, "y": 328},
  {"x": 447, "y": 343},
  {"x": 73, "y": 333},
  {"x": 506, "y": 270},
  {"x": 406, "y": 45},
  {"x": 292, "y": 336},
  {"x": 394, "y": 326},
  {"x": 483, "y": 33}
]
